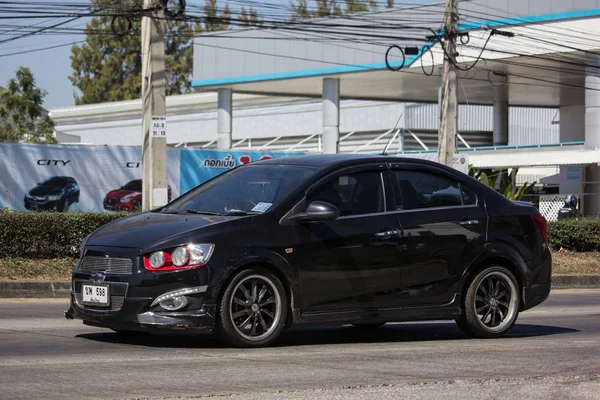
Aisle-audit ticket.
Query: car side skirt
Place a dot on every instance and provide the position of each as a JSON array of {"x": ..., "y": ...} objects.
[{"x": 449, "y": 311}]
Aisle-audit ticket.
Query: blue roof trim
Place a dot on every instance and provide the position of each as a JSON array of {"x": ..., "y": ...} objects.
[
  {"x": 305, "y": 73},
  {"x": 499, "y": 147},
  {"x": 409, "y": 60}
]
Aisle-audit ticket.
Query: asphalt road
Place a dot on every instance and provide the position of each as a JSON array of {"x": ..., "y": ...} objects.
[{"x": 553, "y": 352}]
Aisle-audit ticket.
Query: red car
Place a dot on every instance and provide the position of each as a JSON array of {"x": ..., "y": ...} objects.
[{"x": 127, "y": 198}]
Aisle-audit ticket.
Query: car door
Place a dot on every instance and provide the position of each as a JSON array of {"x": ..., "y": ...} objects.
[
  {"x": 443, "y": 229},
  {"x": 352, "y": 262}
]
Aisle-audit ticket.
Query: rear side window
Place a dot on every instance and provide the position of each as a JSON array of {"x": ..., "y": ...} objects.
[
  {"x": 352, "y": 194},
  {"x": 420, "y": 189}
]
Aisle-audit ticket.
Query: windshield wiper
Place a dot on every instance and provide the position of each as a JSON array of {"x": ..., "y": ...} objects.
[
  {"x": 197, "y": 212},
  {"x": 240, "y": 212}
]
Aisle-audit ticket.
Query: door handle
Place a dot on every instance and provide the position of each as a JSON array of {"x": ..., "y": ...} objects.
[
  {"x": 469, "y": 222},
  {"x": 387, "y": 233}
]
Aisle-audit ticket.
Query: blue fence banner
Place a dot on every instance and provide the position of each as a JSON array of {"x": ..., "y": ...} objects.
[
  {"x": 101, "y": 178},
  {"x": 198, "y": 166}
]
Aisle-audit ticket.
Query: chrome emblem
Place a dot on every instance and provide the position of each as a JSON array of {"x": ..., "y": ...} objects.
[{"x": 98, "y": 277}]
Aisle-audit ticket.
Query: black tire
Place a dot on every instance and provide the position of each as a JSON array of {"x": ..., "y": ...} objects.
[
  {"x": 492, "y": 296},
  {"x": 369, "y": 327},
  {"x": 137, "y": 205},
  {"x": 249, "y": 308},
  {"x": 63, "y": 205},
  {"x": 126, "y": 333}
]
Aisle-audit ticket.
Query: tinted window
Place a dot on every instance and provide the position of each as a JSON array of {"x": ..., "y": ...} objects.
[
  {"x": 468, "y": 196},
  {"x": 359, "y": 193},
  {"x": 133, "y": 186},
  {"x": 419, "y": 189},
  {"x": 55, "y": 181},
  {"x": 242, "y": 189}
]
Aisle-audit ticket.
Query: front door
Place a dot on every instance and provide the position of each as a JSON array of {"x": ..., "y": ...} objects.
[
  {"x": 444, "y": 227},
  {"x": 352, "y": 262}
]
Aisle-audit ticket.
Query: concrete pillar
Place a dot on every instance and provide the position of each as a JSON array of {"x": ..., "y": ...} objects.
[
  {"x": 572, "y": 123},
  {"x": 500, "y": 135},
  {"x": 592, "y": 140},
  {"x": 331, "y": 115},
  {"x": 224, "y": 119}
]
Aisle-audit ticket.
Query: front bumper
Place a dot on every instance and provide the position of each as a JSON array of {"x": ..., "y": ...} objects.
[
  {"x": 116, "y": 205},
  {"x": 134, "y": 316},
  {"x": 134, "y": 295}
]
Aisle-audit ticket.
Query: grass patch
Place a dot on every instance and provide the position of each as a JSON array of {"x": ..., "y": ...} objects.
[
  {"x": 55, "y": 269},
  {"x": 59, "y": 269},
  {"x": 572, "y": 263}
]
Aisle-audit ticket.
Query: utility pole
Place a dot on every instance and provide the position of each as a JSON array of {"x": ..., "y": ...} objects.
[
  {"x": 448, "y": 106},
  {"x": 154, "y": 144}
]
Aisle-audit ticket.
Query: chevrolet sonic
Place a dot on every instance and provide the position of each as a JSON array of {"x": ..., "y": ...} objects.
[{"x": 317, "y": 239}]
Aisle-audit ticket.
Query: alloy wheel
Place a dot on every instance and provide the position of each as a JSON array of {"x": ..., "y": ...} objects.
[
  {"x": 496, "y": 301},
  {"x": 255, "y": 308}
]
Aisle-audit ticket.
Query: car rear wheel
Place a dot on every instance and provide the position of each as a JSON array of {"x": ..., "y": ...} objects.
[
  {"x": 491, "y": 305},
  {"x": 252, "y": 310}
]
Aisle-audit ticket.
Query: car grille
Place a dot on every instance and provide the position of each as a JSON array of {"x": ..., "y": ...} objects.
[
  {"x": 111, "y": 201},
  {"x": 103, "y": 264},
  {"x": 116, "y": 302}
]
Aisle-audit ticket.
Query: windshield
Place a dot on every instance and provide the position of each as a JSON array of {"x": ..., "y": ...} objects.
[
  {"x": 135, "y": 186},
  {"x": 249, "y": 189},
  {"x": 55, "y": 182}
]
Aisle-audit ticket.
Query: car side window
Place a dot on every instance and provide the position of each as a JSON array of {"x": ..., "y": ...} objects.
[
  {"x": 421, "y": 189},
  {"x": 352, "y": 194},
  {"x": 468, "y": 197}
]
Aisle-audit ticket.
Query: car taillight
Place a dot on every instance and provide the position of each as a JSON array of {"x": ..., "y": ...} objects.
[
  {"x": 182, "y": 257},
  {"x": 542, "y": 225}
]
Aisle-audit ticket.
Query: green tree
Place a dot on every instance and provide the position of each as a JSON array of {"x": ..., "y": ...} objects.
[
  {"x": 22, "y": 117},
  {"x": 216, "y": 20},
  {"x": 299, "y": 10},
  {"x": 108, "y": 66},
  {"x": 329, "y": 8},
  {"x": 250, "y": 17},
  {"x": 501, "y": 182}
]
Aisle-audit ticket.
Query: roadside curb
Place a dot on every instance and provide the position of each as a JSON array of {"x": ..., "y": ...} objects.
[
  {"x": 60, "y": 289},
  {"x": 34, "y": 289},
  {"x": 575, "y": 281}
]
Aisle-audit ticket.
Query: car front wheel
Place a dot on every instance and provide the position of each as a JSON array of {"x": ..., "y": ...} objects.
[
  {"x": 491, "y": 305},
  {"x": 252, "y": 310}
]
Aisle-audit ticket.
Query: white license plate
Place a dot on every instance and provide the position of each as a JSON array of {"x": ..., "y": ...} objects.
[{"x": 95, "y": 295}]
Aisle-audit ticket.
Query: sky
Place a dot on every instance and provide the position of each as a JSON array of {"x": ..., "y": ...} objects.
[{"x": 52, "y": 67}]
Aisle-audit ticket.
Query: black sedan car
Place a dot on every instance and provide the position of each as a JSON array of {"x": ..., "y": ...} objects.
[
  {"x": 55, "y": 193},
  {"x": 323, "y": 239}
]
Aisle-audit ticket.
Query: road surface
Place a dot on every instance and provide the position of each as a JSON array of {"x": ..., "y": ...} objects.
[{"x": 553, "y": 351}]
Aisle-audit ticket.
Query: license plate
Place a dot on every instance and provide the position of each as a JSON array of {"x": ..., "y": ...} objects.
[{"x": 95, "y": 295}]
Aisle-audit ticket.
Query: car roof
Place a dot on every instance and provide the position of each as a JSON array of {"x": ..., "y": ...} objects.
[{"x": 333, "y": 160}]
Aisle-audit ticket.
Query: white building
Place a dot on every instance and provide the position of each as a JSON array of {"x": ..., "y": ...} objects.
[{"x": 532, "y": 103}]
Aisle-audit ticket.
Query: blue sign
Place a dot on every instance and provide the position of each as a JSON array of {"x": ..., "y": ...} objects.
[{"x": 198, "y": 166}]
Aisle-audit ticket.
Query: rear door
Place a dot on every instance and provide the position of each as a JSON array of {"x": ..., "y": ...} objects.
[
  {"x": 352, "y": 262},
  {"x": 444, "y": 230}
]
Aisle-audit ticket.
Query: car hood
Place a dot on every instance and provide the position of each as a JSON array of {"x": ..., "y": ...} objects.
[
  {"x": 147, "y": 230},
  {"x": 119, "y": 193},
  {"x": 45, "y": 190}
]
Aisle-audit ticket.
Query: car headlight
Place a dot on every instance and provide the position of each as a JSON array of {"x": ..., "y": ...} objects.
[
  {"x": 126, "y": 198},
  {"x": 182, "y": 257}
]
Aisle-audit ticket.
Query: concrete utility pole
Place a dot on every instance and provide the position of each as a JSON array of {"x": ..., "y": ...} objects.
[
  {"x": 154, "y": 148},
  {"x": 448, "y": 106}
]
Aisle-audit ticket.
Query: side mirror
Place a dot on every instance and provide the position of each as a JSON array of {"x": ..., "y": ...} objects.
[{"x": 318, "y": 211}]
